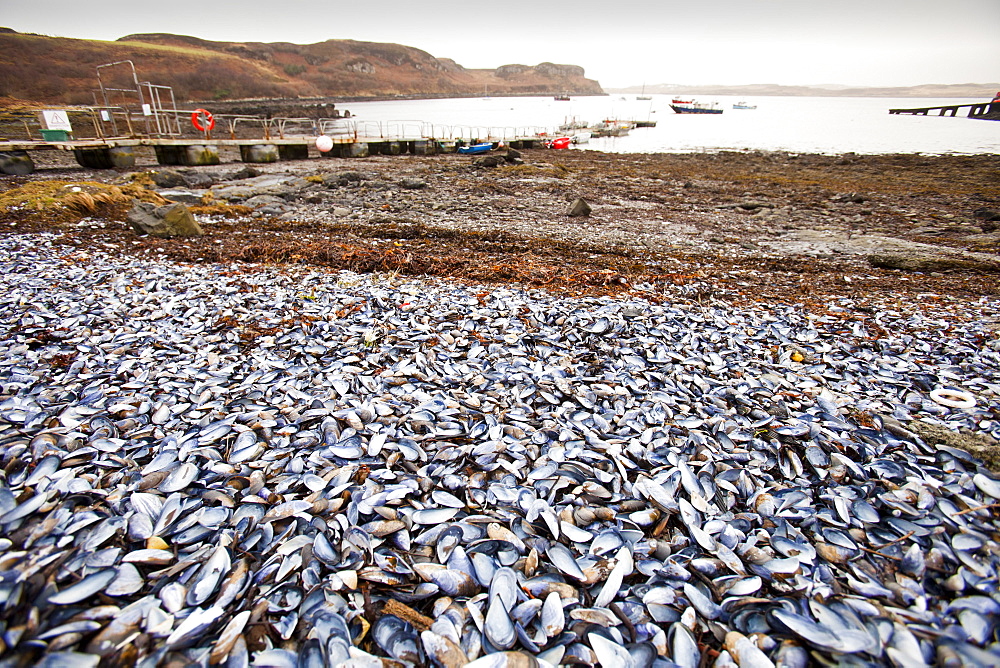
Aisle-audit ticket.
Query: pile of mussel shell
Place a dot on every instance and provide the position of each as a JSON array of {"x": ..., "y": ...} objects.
[{"x": 222, "y": 465}]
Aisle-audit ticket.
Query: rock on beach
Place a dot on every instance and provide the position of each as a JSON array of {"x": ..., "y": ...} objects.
[{"x": 172, "y": 220}]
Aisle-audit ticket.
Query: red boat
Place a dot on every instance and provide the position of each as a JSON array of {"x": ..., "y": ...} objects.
[{"x": 561, "y": 142}]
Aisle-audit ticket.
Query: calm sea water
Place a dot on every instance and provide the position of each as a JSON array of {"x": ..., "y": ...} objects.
[{"x": 830, "y": 125}]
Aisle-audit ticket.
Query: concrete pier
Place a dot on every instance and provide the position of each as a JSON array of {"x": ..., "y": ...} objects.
[
  {"x": 111, "y": 157},
  {"x": 989, "y": 111},
  {"x": 119, "y": 153},
  {"x": 189, "y": 155}
]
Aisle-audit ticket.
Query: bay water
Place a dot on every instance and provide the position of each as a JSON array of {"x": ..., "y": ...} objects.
[{"x": 828, "y": 125}]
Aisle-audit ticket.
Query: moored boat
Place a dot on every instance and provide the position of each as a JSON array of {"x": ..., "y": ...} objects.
[
  {"x": 611, "y": 127},
  {"x": 573, "y": 123},
  {"x": 561, "y": 98},
  {"x": 475, "y": 148},
  {"x": 743, "y": 105},
  {"x": 693, "y": 107}
]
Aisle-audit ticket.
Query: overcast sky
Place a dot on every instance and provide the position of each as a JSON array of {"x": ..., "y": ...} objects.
[{"x": 618, "y": 42}]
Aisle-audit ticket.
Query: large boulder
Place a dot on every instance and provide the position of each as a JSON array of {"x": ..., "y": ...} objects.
[
  {"x": 258, "y": 201},
  {"x": 183, "y": 195},
  {"x": 172, "y": 220},
  {"x": 168, "y": 178},
  {"x": 579, "y": 207},
  {"x": 487, "y": 161},
  {"x": 16, "y": 163},
  {"x": 200, "y": 179},
  {"x": 246, "y": 172}
]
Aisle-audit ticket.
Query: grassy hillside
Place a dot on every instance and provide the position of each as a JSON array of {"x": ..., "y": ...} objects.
[{"x": 61, "y": 70}]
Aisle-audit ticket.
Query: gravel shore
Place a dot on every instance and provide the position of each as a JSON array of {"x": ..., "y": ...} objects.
[
  {"x": 407, "y": 410},
  {"x": 745, "y": 225}
]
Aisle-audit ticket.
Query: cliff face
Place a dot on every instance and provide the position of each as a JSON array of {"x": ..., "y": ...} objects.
[{"x": 62, "y": 70}]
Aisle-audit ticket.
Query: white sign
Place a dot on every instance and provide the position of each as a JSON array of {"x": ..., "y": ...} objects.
[
  {"x": 147, "y": 110},
  {"x": 105, "y": 116},
  {"x": 56, "y": 119}
]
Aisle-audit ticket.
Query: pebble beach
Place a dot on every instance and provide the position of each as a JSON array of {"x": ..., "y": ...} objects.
[{"x": 212, "y": 461}]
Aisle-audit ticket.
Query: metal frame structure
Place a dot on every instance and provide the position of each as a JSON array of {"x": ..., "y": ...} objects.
[
  {"x": 136, "y": 91},
  {"x": 168, "y": 121}
]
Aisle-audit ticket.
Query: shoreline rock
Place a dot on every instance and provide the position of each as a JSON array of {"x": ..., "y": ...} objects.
[{"x": 173, "y": 220}]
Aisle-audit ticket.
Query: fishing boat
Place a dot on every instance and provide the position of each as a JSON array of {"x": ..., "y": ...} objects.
[
  {"x": 561, "y": 98},
  {"x": 743, "y": 105},
  {"x": 611, "y": 127},
  {"x": 476, "y": 148},
  {"x": 571, "y": 123},
  {"x": 693, "y": 107}
]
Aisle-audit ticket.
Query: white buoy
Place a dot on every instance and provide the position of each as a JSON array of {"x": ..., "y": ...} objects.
[
  {"x": 953, "y": 398},
  {"x": 324, "y": 143}
]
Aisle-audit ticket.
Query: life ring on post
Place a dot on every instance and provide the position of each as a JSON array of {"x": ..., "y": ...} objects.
[{"x": 196, "y": 120}]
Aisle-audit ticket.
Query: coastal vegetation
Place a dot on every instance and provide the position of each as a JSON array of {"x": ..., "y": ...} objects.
[{"x": 61, "y": 70}]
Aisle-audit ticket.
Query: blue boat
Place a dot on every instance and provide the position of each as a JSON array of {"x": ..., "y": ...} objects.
[
  {"x": 476, "y": 148},
  {"x": 692, "y": 107}
]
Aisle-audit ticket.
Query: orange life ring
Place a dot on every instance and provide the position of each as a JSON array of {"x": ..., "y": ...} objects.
[{"x": 196, "y": 120}]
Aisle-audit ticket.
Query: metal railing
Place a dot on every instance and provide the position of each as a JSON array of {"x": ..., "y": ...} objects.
[
  {"x": 405, "y": 130},
  {"x": 121, "y": 122}
]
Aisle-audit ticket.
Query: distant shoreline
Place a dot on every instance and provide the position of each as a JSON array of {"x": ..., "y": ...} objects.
[{"x": 967, "y": 90}]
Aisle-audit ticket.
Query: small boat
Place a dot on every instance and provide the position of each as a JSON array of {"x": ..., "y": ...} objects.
[
  {"x": 645, "y": 124},
  {"x": 581, "y": 138},
  {"x": 610, "y": 127},
  {"x": 559, "y": 142},
  {"x": 573, "y": 123},
  {"x": 643, "y": 97},
  {"x": 743, "y": 105},
  {"x": 692, "y": 107},
  {"x": 476, "y": 148},
  {"x": 561, "y": 98}
]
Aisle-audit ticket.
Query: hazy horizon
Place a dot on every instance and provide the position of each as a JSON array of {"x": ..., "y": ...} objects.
[
  {"x": 821, "y": 86},
  {"x": 888, "y": 43}
]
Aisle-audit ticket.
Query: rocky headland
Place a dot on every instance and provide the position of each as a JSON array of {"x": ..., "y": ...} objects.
[{"x": 58, "y": 70}]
